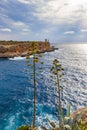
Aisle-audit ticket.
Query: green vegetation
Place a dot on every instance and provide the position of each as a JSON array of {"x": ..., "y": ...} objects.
[
  {"x": 9, "y": 49},
  {"x": 23, "y": 128},
  {"x": 3, "y": 49},
  {"x": 4, "y": 42},
  {"x": 68, "y": 123},
  {"x": 27, "y": 128}
]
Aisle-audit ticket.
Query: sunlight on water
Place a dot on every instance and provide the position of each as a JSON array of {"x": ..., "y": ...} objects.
[{"x": 16, "y": 93}]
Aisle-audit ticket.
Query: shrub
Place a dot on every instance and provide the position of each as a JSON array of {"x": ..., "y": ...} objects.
[
  {"x": 23, "y": 128},
  {"x": 27, "y": 128},
  {"x": 3, "y": 49}
]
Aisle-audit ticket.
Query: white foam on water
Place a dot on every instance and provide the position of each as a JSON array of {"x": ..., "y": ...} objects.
[
  {"x": 17, "y": 58},
  {"x": 11, "y": 122}
]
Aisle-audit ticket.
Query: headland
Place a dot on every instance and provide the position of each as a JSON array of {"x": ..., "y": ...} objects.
[{"x": 10, "y": 49}]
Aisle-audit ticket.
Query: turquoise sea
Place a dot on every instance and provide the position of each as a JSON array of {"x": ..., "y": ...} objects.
[{"x": 16, "y": 87}]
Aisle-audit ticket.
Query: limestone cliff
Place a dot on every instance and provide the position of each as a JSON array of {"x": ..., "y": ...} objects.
[{"x": 20, "y": 48}]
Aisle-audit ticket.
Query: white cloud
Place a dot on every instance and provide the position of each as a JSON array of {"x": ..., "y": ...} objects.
[
  {"x": 19, "y": 24},
  {"x": 5, "y": 30},
  {"x": 25, "y": 30},
  {"x": 24, "y": 1},
  {"x": 69, "y": 32},
  {"x": 15, "y": 25},
  {"x": 83, "y": 30},
  {"x": 3, "y": 15},
  {"x": 53, "y": 16},
  {"x": 37, "y": 2},
  {"x": 61, "y": 11}
]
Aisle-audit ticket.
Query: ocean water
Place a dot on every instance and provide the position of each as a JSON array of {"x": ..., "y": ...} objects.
[{"x": 16, "y": 87}]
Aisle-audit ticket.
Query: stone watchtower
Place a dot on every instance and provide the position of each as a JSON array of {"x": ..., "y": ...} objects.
[{"x": 46, "y": 40}]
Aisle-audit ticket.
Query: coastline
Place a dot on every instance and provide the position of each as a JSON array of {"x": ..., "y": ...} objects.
[
  {"x": 10, "y": 49},
  {"x": 12, "y": 55}
]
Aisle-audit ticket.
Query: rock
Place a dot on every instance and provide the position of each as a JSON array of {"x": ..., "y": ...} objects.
[
  {"x": 13, "y": 48},
  {"x": 80, "y": 113}
]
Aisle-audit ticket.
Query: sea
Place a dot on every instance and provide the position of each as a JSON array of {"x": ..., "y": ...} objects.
[{"x": 16, "y": 87}]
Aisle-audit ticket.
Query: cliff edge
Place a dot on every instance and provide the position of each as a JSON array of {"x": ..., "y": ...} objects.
[{"x": 9, "y": 49}]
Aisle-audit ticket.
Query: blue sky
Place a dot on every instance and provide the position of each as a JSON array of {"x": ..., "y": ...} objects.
[{"x": 57, "y": 20}]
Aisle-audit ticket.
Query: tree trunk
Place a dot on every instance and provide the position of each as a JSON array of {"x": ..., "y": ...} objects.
[
  {"x": 59, "y": 99},
  {"x": 34, "y": 111}
]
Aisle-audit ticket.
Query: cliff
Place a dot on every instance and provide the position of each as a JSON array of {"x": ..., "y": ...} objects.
[{"x": 19, "y": 48}]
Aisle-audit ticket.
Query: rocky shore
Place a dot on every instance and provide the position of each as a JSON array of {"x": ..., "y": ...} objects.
[
  {"x": 10, "y": 49},
  {"x": 82, "y": 111}
]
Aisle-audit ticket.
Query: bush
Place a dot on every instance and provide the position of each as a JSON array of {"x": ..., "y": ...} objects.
[
  {"x": 3, "y": 49},
  {"x": 27, "y": 128},
  {"x": 23, "y": 128}
]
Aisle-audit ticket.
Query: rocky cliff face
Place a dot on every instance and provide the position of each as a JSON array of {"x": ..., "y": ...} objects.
[{"x": 12, "y": 49}]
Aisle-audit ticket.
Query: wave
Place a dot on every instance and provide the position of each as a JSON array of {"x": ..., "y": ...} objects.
[
  {"x": 19, "y": 93},
  {"x": 19, "y": 58}
]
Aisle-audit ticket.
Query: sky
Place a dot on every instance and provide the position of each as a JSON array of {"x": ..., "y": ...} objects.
[{"x": 57, "y": 20}]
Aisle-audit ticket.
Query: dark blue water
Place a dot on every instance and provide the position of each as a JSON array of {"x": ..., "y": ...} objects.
[{"x": 16, "y": 87}]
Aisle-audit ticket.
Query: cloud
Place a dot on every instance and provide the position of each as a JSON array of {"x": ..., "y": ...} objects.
[
  {"x": 83, "y": 30},
  {"x": 22, "y": 27},
  {"x": 39, "y": 19},
  {"x": 14, "y": 25},
  {"x": 24, "y": 1},
  {"x": 5, "y": 30},
  {"x": 32, "y": 2},
  {"x": 3, "y": 15},
  {"x": 25, "y": 30},
  {"x": 61, "y": 11},
  {"x": 19, "y": 24},
  {"x": 69, "y": 32},
  {"x": 57, "y": 11}
]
